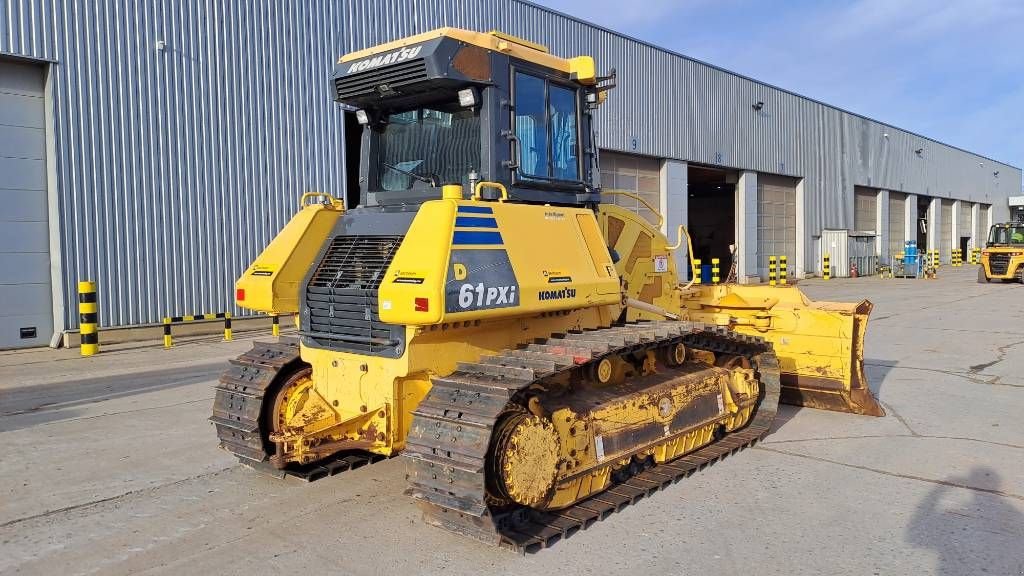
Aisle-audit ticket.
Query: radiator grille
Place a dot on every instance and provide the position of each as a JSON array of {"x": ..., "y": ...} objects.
[
  {"x": 998, "y": 263},
  {"x": 394, "y": 77},
  {"x": 341, "y": 297}
]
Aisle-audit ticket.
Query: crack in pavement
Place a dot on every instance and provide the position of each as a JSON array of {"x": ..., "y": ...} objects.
[
  {"x": 899, "y": 418},
  {"x": 992, "y": 491},
  {"x": 879, "y": 436},
  {"x": 1000, "y": 356},
  {"x": 946, "y": 303},
  {"x": 82, "y": 505},
  {"x": 992, "y": 381}
]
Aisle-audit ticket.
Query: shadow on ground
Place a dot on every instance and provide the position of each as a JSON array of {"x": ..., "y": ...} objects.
[
  {"x": 38, "y": 404},
  {"x": 971, "y": 526}
]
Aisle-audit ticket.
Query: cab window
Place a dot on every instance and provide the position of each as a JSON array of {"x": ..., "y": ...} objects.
[{"x": 546, "y": 127}]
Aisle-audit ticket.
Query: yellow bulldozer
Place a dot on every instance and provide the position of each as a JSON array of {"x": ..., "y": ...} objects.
[
  {"x": 489, "y": 313},
  {"x": 1003, "y": 256}
]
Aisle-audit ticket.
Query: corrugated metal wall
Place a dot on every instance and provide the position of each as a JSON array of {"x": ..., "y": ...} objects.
[{"x": 174, "y": 167}]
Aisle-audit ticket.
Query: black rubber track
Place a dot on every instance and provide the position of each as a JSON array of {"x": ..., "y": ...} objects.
[
  {"x": 238, "y": 409},
  {"x": 448, "y": 445}
]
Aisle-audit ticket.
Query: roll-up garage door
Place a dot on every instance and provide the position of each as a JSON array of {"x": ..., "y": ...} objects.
[
  {"x": 897, "y": 222},
  {"x": 865, "y": 209},
  {"x": 946, "y": 238},
  {"x": 637, "y": 174},
  {"x": 26, "y": 311},
  {"x": 964, "y": 226},
  {"x": 776, "y": 219},
  {"x": 983, "y": 224}
]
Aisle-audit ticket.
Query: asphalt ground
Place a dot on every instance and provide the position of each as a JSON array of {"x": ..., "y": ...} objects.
[{"x": 108, "y": 466}]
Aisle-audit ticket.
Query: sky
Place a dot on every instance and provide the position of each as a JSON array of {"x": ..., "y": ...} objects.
[{"x": 952, "y": 70}]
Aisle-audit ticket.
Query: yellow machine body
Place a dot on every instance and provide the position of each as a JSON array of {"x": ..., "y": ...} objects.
[
  {"x": 465, "y": 260},
  {"x": 355, "y": 401},
  {"x": 820, "y": 345},
  {"x": 1013, "y": 258},
  {"x": 271, "y": 283},
  {"x": 1003, "y": 257},
  {"x": 450, "y": 281}
]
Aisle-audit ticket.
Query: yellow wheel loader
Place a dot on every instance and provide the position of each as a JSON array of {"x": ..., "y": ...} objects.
[
  {"x": 487, "y": 312},
  {"x": 1003, "y": 256}
]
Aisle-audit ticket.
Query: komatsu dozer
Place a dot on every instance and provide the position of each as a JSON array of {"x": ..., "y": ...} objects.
[{"x": 488, "y": 312}]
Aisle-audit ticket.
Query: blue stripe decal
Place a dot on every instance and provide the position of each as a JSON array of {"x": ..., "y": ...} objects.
[
  {"x": 473, "y": 222},
  {"x": 476, "y": 210},
  {"x": 476, "y": 238}
]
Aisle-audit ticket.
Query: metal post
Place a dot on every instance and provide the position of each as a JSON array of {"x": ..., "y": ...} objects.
[
  {"x": 167, "y": 332},
  {"x": 714, "y": 271},
  {"x": 771, "y": 270},
  {"x": 88, "y": 318},
  {"x": 826, "y": 266},
  {"x": 227, "y": 326},
  {"x": 696, "y": 271},
  {"x": 783, "y": 270},
  {"x": 276, "y": 330}
]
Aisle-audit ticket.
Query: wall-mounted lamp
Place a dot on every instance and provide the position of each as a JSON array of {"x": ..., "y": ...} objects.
[
  {"x": 919, "y": 151},
  {"x": 996, "y": 173},
  {"x": 885, "y": 135},
  {"x": 757, "y": 105}
]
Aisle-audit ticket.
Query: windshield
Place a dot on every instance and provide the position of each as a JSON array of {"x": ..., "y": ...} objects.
[
  {"x": 427, "y": 147},
  {"x": 1006, "y": 235}
]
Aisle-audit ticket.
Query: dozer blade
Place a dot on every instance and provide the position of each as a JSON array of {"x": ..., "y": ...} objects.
[{"x": 820, "y": 345}]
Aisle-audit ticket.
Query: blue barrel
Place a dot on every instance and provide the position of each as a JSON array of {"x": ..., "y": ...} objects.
[{"x": 705, "y": 273}]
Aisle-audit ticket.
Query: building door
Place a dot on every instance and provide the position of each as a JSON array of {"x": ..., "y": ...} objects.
[
  {"x": 26, "y": 302},
  {"x": 964, "y": 225},
  {"x": 776, "y": 219},
  {"x": 946, "y": 238},
  {"x": 865, "y": 209},
  {"x": 638, "y": 175},
  {"x": 897, "y": 224}
]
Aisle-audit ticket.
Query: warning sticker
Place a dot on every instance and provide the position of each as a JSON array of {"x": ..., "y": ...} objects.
[{"x": 661, "y": 263}]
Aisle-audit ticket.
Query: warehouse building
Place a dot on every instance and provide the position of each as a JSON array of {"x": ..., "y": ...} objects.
[{"x": 156, "y": 147}]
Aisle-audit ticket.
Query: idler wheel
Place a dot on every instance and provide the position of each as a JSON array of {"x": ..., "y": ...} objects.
[{"x": 527, "y": 454}]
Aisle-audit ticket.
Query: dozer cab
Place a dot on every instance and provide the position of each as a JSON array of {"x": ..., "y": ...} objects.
[
  {"x": 1003, "y": 256},
  {"x": 488, "y": 313}
]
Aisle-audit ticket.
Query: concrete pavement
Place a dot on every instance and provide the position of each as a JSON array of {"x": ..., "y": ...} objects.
[{"x": 109, "y": 466}]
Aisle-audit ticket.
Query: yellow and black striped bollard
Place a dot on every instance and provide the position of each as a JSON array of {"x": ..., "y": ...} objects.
[
  {"x": 826, "y": 267},
  {"x": 88, "y": 318},
  {"x": 170, "y": 320},
  {"x": 276, "y": 328},
  {"x": 167, "y": 332},
  {"x": 783, "y": 270},
  {"x": 696, "y": 271},
  {"x": 714, "y": 271},
  {"x": 771, "y": 270}
]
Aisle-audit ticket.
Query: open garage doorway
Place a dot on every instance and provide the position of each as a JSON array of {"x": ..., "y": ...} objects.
[
  {"x": 923, "y": 222},
  {"x": 712, "y": 213}
]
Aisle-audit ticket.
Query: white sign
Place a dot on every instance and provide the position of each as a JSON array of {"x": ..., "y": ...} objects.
[{"x": 661, "y": 263}]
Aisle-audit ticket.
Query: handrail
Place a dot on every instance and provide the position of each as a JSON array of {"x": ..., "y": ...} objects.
[
  {"x": 486, "y": 184},
  {"x": 333, "y": 201},
  {"x": 661, "y": 219}
]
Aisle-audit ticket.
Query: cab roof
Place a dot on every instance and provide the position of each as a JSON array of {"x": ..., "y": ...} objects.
[{"x": 580, "y": 68}]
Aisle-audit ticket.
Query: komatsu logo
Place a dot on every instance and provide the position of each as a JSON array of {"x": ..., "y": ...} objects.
[
  {"x": 563, "y": 294},
  {"x": 383, "y": 59}
]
